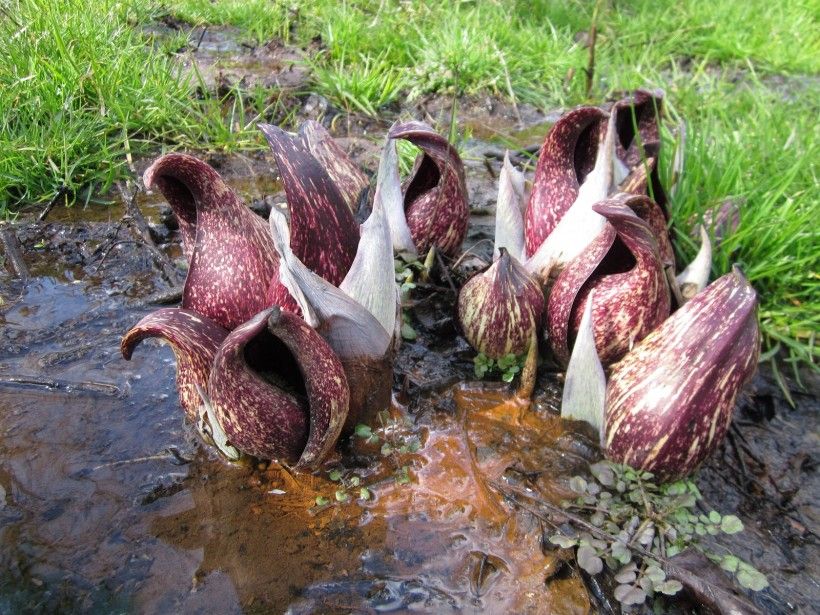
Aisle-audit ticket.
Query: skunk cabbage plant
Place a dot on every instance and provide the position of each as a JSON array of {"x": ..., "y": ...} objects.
[
  {"x": 669, "y": 401},
  {"x": 358, "y": 320},
  {"x": 587, "y": 156},
  {"x": 435, "y": 195},
  {"x": 255, "y": 378}
]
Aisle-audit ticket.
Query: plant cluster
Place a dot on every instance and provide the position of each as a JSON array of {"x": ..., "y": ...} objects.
[
  {"x": 640, "y": 526},
  {"x": 508, "y": 366}
]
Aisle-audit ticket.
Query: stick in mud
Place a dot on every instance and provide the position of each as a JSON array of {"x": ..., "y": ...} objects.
[
  {"x": 61, "y": 191},
  {"x": 11, "y": 248},
  {"x": 141, "y": 230}
]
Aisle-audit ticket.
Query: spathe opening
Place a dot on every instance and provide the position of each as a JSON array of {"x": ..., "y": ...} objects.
[
  {"x": 179, "y": 197},
  {"x": 268, "y": 357},
  {"x": 586, "y": 149},
  {"x": 426, "y": 177}
]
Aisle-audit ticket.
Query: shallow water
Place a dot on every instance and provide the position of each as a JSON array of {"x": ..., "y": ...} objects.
[{"x": 111, "y": 502}]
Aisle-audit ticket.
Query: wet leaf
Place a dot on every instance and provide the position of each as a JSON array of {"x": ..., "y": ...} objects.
[
  {"x": 565, "y": 542},
  {"x": 363, "y": 431},
  {"x": 364, "y": 493},
  {"x": 621, "y": 552},
  {"x": 342, "y": 495},
  {"x": 629, "y": 595},
  {"x": 751, "y": 578},
  {"x": 655, "y": 574},
  {"x": 714, "y": 516},
  {"x": 670, "y": 588},
  {"x": 408, "y": 332},
  {"x": 627, "y": 574},
  {"x": 322, "y": 500},
  {"x": 731, "y": 524},
  {"x": 589, "y": 561},
  {"x": 602, "y": 471},
  {"x": 386, "y": 449},
  {"x": 578, "y": 484},
  {"x": 355, "y": 481},
  {"x": 335, "y": 475},
  {"x": 730, "y": 563}
]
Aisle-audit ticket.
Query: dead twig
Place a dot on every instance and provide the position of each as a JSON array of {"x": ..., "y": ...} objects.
[
  {"x": 62, "y": 385},
  {"x": 61, "y": 191},
  {"x": 141, "y": 230},
  {"x": 14, "y": 253},
  {"x": 164, "y": 297},
  {"x": 446, "y": 272}
]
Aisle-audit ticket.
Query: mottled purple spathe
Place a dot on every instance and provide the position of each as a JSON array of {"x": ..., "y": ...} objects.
[
  {"x": 349, "y": 178},
  {"x": 323, "y": 233},
  {"x": 193, "y": 339},
  {"x": 631, "y": 295},
  {"x": 232, "y": 258},
  {"x": 567, "y": 156},
  {"x": 435, "y": 196},
  {"x": 670, "y": 400},
  {"x": 278, "y": 390},
  {"x": 500, "y": 309}
]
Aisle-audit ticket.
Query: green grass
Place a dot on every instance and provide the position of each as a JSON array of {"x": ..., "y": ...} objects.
[
  {"x": 83, "y": 89},
  {"x": 82, "y": 86}
]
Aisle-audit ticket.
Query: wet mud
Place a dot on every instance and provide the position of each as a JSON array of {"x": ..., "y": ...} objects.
[{"x": 109, "y": 502}]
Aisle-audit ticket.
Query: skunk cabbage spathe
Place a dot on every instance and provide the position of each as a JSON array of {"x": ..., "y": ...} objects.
[
  {"x": 624, "y": 268},
  {"x": 232, "y": 260},
  {"x": 588, "y": 155},
  {"x": 501, "y": 309},
  {"x": 670, "y": 400},
  {"x": 346, "y": 175},
  {"x": 278, "y": 390},
  {"x": 435, "y": 195},
  {"x": 324, "y": 235},
  {"x": 194, "y": 340}
]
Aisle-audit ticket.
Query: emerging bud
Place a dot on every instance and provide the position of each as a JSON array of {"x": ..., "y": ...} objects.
[{"x": 501, "y": 308}]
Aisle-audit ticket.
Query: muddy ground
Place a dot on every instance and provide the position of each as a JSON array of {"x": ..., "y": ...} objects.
[{"x": 110, "y": 502}]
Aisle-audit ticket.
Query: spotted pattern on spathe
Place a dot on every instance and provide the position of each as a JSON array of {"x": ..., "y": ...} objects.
[
  {"x": 626, "y": 304},
  {"x": 348, "y": 177},
  {"x": 194, "y": 340},
  {"x": 323, "y": 232},
  {"x": 233, "y": 259}
]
